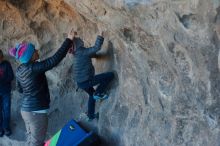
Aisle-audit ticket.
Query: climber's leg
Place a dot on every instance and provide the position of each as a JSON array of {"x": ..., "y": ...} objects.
[
  {"x": 91, "y": 102},
  {"x": 103, "y": 81}
]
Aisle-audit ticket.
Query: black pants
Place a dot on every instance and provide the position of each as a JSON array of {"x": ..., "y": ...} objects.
[
  {"x": 102, "y": 80},
  {"x": 5, "y": 111}
]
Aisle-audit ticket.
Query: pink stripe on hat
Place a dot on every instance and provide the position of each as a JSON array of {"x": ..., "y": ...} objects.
[{"x": 22, "y": 50}]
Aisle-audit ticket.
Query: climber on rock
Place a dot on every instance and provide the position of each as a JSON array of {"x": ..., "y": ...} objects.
[
  {"x": 84, "y": 73},
  {"x": 6, "y": 77},
  {"x": 32, "y": 83}
]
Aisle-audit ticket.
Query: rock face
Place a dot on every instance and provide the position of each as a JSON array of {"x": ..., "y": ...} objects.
[{"x": 165, "y": 53}]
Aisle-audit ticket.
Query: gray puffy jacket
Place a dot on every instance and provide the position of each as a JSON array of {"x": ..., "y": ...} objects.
[
  {"x": 83, "y": 68},
  {"x": 32, "y": 82}
]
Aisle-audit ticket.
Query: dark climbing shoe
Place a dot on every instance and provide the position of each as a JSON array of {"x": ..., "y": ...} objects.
[
  {"x": 1, "y": 133},
  {"x": 96, "y": 116},
  {"x": 100, "y": 96},
  {"x": 7, "y": 132}
]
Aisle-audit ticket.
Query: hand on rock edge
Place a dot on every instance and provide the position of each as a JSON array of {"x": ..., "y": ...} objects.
[
  {"x": 72, "y": 34},
  {"x": 102, "y": 30},
  {"x": 101, "y": 33}
]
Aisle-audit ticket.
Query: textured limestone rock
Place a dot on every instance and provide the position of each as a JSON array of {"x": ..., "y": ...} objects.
[{"x": 165, "y": 53}]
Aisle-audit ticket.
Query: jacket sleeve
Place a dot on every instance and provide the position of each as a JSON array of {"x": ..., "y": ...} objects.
[
  {"x": 19, "y": 88},
  {"x": 92, "y": 50},
  {"x": 10, "y": 73},
  {"x": 51, "y": 62}
]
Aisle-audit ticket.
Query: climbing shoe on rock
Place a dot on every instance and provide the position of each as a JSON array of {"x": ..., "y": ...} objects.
[
  {"x": 100, "y": 96},
  {"x": 85, "y": 117},
  {"x": 7, "y": 132},
  {"x": 96, "y": 116},
  {"x": 1, "y": 133}
]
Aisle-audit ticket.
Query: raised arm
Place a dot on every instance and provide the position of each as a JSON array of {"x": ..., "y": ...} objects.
[
  {"x": 92, "y": 50},
  {"x": 51, "y": 62}
]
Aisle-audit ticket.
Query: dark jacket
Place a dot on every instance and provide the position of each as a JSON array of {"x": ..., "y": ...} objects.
[
  {"x": 83, "y": 68},
  {"x": 6, "y": 76},
  {"x": 32, "y": 82}
]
